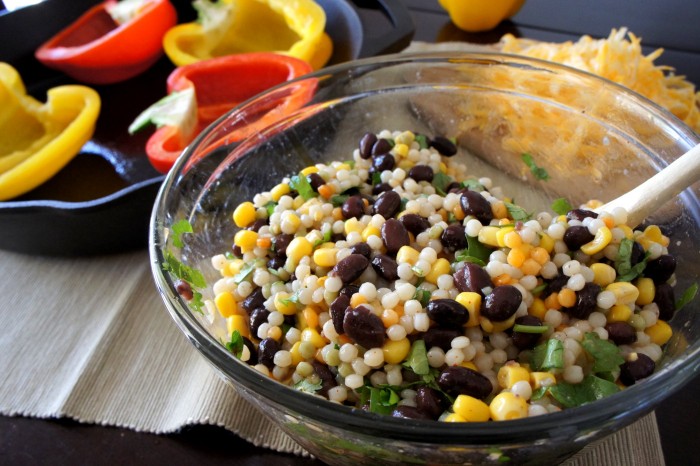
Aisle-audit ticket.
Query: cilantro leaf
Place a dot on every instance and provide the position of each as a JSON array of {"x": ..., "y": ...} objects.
[
  {"x": 192, "y": 276},
  {"x": 339, "y": 199},
  {"x": 606, "y": 355},
  {"x": 422, "y": 141},
  {"x": 476, "y": 252},
  {"x": 548, "y": 355},
  {"x": 179, "y": 228},
  {"x": 590, "y": 389},
  {"x": 300, "y": 184},
  {"x": 539, "y": 289},
  {"x": 326, "y": 238},
  {"x": 417, "y": 359},
  {"x": 538, "y": 172},
  {"x": 235, "y": 344},
  {"x": 294, "y": 298},
  {"x": 270, "y": 206},
  {"x": 530, "y": 328},
  {"x": 383, "y": 400},
  {"x": 561, "y": 206},
  {"x": 517, "y": 212},
  {"x": 473, "y": 185},
  {"x": 305, "y": 386},
  {"x": 627, "y": 272},
  {"x": 376, "y": 178},
  {"x": 245, "y": 271},
  {"x": 688, "y": 296},
  {"x": 440, "y": 182},
  {"x": 422, "y": 295}
]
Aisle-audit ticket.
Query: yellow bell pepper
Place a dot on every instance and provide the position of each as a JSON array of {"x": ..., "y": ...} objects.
[
  {"x": 37, "y": 140},
  {"x": 480, "y": 15},
  {"x": 290, "y": 27}
]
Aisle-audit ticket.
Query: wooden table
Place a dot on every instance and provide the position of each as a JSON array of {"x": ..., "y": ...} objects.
[{"x": 672, "y": 24}]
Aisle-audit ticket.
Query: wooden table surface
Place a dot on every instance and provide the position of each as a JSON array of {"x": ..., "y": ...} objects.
[{"x": 671, "y": 24}]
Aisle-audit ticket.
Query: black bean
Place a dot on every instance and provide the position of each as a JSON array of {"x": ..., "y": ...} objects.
[
  {"x": 501, "y": 303},
  {"x": 637, "y": 253},
  {"x": 586, "y": 301},
  {"x": 381, "y": 147},
  {"x": 458, "y": 380},
  {"x": 636, "y": 369},
  {"x": 472, "y": 277},
  {"x": 326, "y": 376},
  {"x": 475, "y": 204},
  {"x": 577, "y": 236},
  {"x": 385, "y": 266},
  {"x": 366, "y": 328},
  {"x": 394, "y": 235},
  {"x": 237, "y": 251},
  {"x": 454, "y": 187},
  {"x": 350, "y": 268},
  {"x": 253, "y": 359},
  {"x": 353, "y": 207},
  {"x": 366, "y": 144},
  {"x": 621, "y": 333},
  {"x": 349, "y": 290},
  {"x": 409, "y": 412},
  {"x": 381, "y": 188},
  {"x": 664, "y": 297},
  {"x": 276, "y": 263},
  {"x": 421, "y": 173},
  {"x": 361, "y": 248},
  {"x": 337, "y": 311},
  {"x": 315, "y": 181},
  {"x": 429, "y": 402},
  {"x": 414, "y": 223},
  {"x": 580, "y": 214},
  {"x": 384, "y": 162},
  {"x": 440, "y": 337},
  {"x": 661, "y": 268},
  {"x": 387, "y": 204},
  {"x": 280, "y": 243},
  {"x": 266, "y": 352},
  {"x": 257, "y": 225},
  {"x": 254, "y": 300},
  {"x": 184, "y": 289},
  {"x": 447, "y": 312},
  {"x": 523, "y": 340},
  {"x": 454, "y": 237},
  {"x": 556, "y": 284},
  {"x": 258, "y": 316},
  {"x": 444, "y": 146}
]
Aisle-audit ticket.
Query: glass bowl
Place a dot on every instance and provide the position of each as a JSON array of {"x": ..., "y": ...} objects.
[{"x": 596, "y": 140}]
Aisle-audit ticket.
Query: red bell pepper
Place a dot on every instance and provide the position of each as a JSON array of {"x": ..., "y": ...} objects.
[
  {"x": 201, "y": 92},
  {"x": 97, "y": 49}
]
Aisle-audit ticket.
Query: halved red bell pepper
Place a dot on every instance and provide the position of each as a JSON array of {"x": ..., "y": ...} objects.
[
  {"x": 201, "y": 92},
  {"x": 97, "y": 49}
]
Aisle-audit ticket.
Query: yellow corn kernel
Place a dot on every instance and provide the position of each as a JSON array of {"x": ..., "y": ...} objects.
[
  {"x": 246, "y": 240},
  {"x": 567, "y": 297},
  {"x": 396, "y": 351},
  {"x": 488, "y": 235},
  {"x": 274, "y": 332},
  {"x": 299, "y": 247},
  {"x": 625, "y": 293},
  {"x": 469, "y": 365},
  {"x": 510, "y": 373},
  {"x": 453, "y": 417},
  {"x": 471, "y": 409},
  {"x": 653, "y": 232},
  {"x": 280, "y": 190},
  {"x": 309, "y": 317},
  {"x": 295, "y": 353},
  {"x": 530, "y": 267},
  {"x": 538, "y": 309},
  {"x": 407, "y": 254},
  {"x": 244, "y": 214},
  {"x": 501, "y": 237},
  {"x": 235, "y": 266},
  {"x": 660, "y": 332},
  {"x": 284, "y": 305},
  {"x": 401, "y": 150},
  {"x": 547, "y": 243},
  {"x": 389, "y": 317},
  {"x": 647, "y": 291},
  {"x": 226, "y": 304},
  {"x": 490, "y": 326},
  {"x": 539, "y": 254},
  {"x": 405, "y": 164},
  {"x": 357, "y": 299},
  {"x": 309, "y": 170},
  {"x": 405, "y": 137},
  {"x": 603, "y": 274},
  {"x": 326, "y": 191},
  {"x": 542, "y": 379},
  {"x": 516, "y": 257},
  {"x": 629, "y": 233},
  {"x": 312, "y": 336},
  {"x": 371, "y": 230},
  {"x": 512, "y": 239},
  {"x": 499, "y": 210},
  {"x": 325, "y": 257},
  {"x": 472, "y": 301},
  {"x": 238, "y": 323},
  {"x": 502, "y": 279},
  {"x": 619, "y": 313},
  {"x": 506, "y": 406},
  {"x": 602, "y": 238},
  {"x": 440, "y": 267},
  {"x": 353, "y": 225},
  {"x": 552, "y": 301},
  {"x": 442, "y": 167},
  {"x": 298, "y": 202}
]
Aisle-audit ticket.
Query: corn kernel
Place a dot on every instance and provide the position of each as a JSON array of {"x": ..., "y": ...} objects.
[
  {"x": 370, "y": 230},
  {"x": 453, "y": 417},
  {"x": 506, "y": 406},
  {"x": 567, "y": 297},
  {"x": 326, "y": 191},
  {"x": 244, "y": 214},
  {"x": 353, "y": 225},
  {"x": 647, "y": 291},
  {"x": 629, "y": 233},
  {"x": 603, "y": 274},
  {"x": 406, "y": 164},
  {"x": 516, "y": 257},
  {"x": 310, "y": 317},
  {"x": 602, "y": 238},
  {"x": 235, "y": 266},
  {"x": 238, "y": 323},
  {"x": 653, "y": 232},
  {"x": 407, "y": 254},
  {"x": 325, "y": 257},
  {"x": 298, "y": 202},
  {"x": 470, "y": 365},
  {"x": 396, "y": 351},
  {"x": 458, "y": 212},
  {"x": 264, "y": 242},
  {"x": 471, "y": 301},
  {"x": 552, "y": 301},
  {"x": 488, "y": 235},
  {"x": 503, "y": 279},
  {"x": 274, "y": 332},
  {"x": 530, "y": 267},
  {"x": 295, "y": 353},
  {"x": 299, "y": 247},
  {"x": 226, "y": 304},
  {"x": 490, "y": 326},
  {"x": 547, "y": 243},
  {"x": 389, "y": 317},
  {"x": 659, "y": 333},
  {"x": 309, "y": 170},
  {"x": 440, "y": 267},
  {"x": 537, "y": 309},
  {"x": 312, "y": 336},
  {"x": 499, "y": 210},
  {"x": 542, "y": 379},
  {"x": 246, "y": 240},
  {"x": 511, "y": 373},
  {"x": 357, "y": 299},
  {"x": 539, "y": 254},
  {"x": 284, "y": 305},
  {"x": 625, "y": 293},
  {"x": 401, "y": 150},
  {"x": 471, "y": 409},
  {"x": 280, "y": 190},
  {"x": 619, "y": 313},
  {"x": 501, "y": 237}
]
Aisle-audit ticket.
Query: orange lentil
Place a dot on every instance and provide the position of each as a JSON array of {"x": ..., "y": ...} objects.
[
  {"x": 552, "y": 301},
  {"x": 264, "y": 242},
  {"x": 567, "y": 297},
  {"x": 325, "y": 191}
]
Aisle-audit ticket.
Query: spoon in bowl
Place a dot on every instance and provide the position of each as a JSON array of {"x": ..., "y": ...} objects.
[{"x": 646, "y": 198}]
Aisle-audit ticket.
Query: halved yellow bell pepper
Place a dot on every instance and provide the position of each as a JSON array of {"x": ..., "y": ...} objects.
[
  {"x": 290, "y": 27},
  {"x": 480, "y": 15},
  {"x": 37, "y": 140}
]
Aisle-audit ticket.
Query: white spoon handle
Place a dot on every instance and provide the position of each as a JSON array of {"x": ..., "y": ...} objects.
[{"x": 646, "y": 198}]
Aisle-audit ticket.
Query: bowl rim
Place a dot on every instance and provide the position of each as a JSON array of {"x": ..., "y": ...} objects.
[{"x": 599, "y": 416}]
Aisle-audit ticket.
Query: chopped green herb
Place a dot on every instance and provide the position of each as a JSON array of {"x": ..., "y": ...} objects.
[
  {"x": 549, "y": 355},
  {"x": 422, "y": 141},
  {"x": 294, "y": 298},
  {"x": 440, "y": 182},
  {"x": 530, "y": 328},
  {"x": 192, "y": 276},
  {"x": 305, "y": 386},
  {"x": 479, "y": 253},
  {"x": 606, "y": 355},
  {"x": 538, "y": 289},
  {"x": 229, "y": 255},
  {"x": 381, "y": 400},
  {"x": 590, "y": 389},
  {"x": 270, "y": 206},
  {"x": 339, "y": 199},
  {"x": 626, "y": 272},
  {"x": 376, "y": 178},
  {"x": 688, "y": 296},
  {"x": 404, "y": 201},
  {"x": 235, "y": 344},
  {"x": 179, "y": 228},
  {"x": 561, "y": 206},
  {"x": 418, "y": 271},
  {"x": 538, "y": 172},
  {"x": 245, "y": 271},
  {"x": 422, "y": 295},
  {"x": 300, "y": 184},
  {"x": 417, "y": 359},
  {"x": 351, "y": 163},
  {"x": 473, "y": 185},
  {"x": 517, "y": 213},
  {"x": 326, "y": 238},
  {"x": 463, "y": 256}
]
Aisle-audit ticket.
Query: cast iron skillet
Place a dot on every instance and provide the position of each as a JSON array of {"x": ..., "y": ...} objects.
[{"x": 101, "y": 202}]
